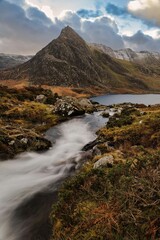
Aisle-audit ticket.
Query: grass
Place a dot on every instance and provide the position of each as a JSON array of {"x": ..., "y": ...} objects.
[
  {"x": 121, "y": 202},
  {"x": 22, "y": 117},
  {"x": 117, "y": 203}
]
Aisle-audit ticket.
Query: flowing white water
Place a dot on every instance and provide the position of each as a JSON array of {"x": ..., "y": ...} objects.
[{"x": 30, "y": 173}]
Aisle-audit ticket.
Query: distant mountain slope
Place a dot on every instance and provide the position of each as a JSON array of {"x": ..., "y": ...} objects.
[
  {"x": 129, "y": 55},
  {"x": 69, "y": 61},
  {"x": 11, "y": 60}
]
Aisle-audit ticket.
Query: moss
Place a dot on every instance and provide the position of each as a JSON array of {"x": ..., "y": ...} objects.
[
  {"x": 121, "y": 202},
  {"x": 144, "y": 130},
  {"x": 110, "y": 203},
  {"x": 24, "y": 118},
  {"x": 125, "y": 118},
  {"x": 119, "y": 122}
]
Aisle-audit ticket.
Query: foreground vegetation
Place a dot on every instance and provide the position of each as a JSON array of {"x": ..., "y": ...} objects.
[
  {"x": 23, "y": 117},
  {"x": 25, "y": 114},
  {"x": 118, "y": 200}
]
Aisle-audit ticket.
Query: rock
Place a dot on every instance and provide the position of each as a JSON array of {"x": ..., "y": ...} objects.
[
  {"x": 104, "y": 161},
  {"x": 94, "y": 102},
  {"x": 11, "y": 143},
  {"x": 24, "y": 140},
  {"x": 111, "y": 113},
  {"x": 119, "y": 110},
  {"x": 113, "y": 110},
  {"x": 81, "y": 103},
  {"x": 40, "y": 144},
  {"x": 40, "y": 98},
  {"x": 105, "y": 114},
  {"x": 85, "y": 156},
  {"x": 85, "y": 103},
  {"x": 108, "y": 146},
  {"x": 90, "y": 145},
  {"x": 96, "y": 151},
  {"x": 68, "y": 107}
]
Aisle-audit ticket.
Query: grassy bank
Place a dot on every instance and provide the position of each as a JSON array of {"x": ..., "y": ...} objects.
[
  {"x": 23, "y": 118},
  {"x": 25, "y": 114},
  {"x": 119, "y": 200}
]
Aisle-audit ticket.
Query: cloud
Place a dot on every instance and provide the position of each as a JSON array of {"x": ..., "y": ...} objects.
[
  {"x": 100, "y": 4},
  {"x": 142, "y": 42},
  {"x": 146, "y": 9},
  {"x": 17, "y": 2},
  {"x": 85, "y": 13},
  {"x": 100, "y": 29},
  {"x": 70, "y": 18},
  {"x": 125, "y": 13},
  {"x": 26, "y": 30},
  {"x": 34, "y": 13},
  {"x": 23, "y": 31},
  {"x": 115, "y": 10},
  {"x": 103, "y": 30}
]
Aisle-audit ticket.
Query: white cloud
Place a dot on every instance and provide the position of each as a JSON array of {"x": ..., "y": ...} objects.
[
  {"x": 102, "y": 30},
  {"x": 48, "y": 11},
  {"x": 146, "y": 9},
  {"x": 58, "y": 6},
  {"x": 70, "y": 18},
  {"x": 27, "y": 30},
  {"x": 155, "y": 33},
  {"x": 22, "y": 34}
]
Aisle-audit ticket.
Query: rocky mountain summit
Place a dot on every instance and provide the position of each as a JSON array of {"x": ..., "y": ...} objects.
[
  {"x": 12, "y": 60},
  {"x": 69, "y": 61},
  {"x": 66, "y": 61}
]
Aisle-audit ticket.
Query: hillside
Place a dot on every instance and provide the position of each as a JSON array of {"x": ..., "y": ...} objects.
[
  {"x": 11, "y": 60},
  {"x": 69, "y": 61}
]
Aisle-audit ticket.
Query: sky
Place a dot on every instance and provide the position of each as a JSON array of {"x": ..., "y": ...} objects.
[{"x": 26, "y": 26}]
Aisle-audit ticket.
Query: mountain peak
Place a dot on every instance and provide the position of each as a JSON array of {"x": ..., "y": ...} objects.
[
  {"x": 69, "y": 61},
  {"x": 67, "y": 29},
  {"x": 68, "y": 32}
]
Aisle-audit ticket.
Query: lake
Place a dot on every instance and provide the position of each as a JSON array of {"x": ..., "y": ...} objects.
[{"x": 109, "y": 99}]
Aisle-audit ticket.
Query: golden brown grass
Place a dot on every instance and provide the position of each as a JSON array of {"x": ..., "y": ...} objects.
[{"x": 121, "y": 202}]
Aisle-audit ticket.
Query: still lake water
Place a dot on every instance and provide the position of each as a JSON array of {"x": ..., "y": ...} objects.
[{"x": 109, "y": 99}]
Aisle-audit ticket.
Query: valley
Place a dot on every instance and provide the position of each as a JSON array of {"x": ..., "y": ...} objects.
[
  {"x": 79, "y": 142},
  {"x": 69, "y": 61}
]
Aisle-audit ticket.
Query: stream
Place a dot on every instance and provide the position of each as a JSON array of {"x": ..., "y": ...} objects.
[{"x": 30, "y": 182}]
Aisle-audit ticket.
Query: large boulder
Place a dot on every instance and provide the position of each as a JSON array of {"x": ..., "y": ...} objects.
[
  {"x": 70, "y": 106},
  {"x": 85, "y": 103}
]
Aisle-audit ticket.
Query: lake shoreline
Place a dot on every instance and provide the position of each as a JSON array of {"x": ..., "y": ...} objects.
[{"x": 110, "y": 99}]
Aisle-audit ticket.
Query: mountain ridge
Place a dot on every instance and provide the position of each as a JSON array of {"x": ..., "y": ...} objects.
[
  {"x": 12, "y": 60},
  {"x": 128, "y": 54},
  {"x": 69, "y": 61}
]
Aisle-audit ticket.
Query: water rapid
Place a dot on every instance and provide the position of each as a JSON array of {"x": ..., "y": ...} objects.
[{"x": 30, "y": 173}]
